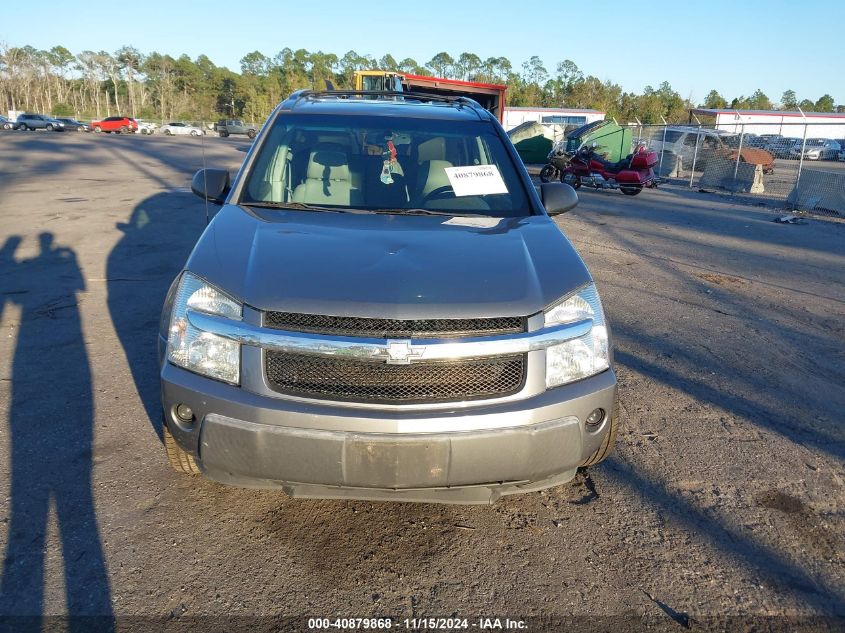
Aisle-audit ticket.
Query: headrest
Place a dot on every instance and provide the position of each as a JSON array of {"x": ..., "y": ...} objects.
[
  {"x": 432, "y": 149},
  {"x": 328, "y": 165}
]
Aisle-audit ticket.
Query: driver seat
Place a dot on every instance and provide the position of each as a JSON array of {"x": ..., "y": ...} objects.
[{"x": 430, "y": 176}]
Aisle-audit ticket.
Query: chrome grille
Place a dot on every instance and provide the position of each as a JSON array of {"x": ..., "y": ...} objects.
[
  {"x": 377, "y": 382},
  {"x": 393, "y": 328}
]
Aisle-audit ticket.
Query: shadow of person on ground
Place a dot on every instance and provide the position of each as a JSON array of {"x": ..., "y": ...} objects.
[
  {"x": 156, "y": 242},
  {"x": 51, "y": 423}
]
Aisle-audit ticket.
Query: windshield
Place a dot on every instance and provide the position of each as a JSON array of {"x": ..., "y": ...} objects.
[{"x": 386, "y": 164}]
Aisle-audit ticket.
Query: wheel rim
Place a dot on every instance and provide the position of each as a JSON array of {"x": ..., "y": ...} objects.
[
  {"x": 571, "y": 180},
  {"x": 547, "y": 173}
]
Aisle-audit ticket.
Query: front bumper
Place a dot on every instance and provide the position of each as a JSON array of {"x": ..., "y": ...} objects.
[{"x": 328, "y": 450}]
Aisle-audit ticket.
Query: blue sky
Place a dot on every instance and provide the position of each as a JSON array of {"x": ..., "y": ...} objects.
[{"x": 735, "y": 47}]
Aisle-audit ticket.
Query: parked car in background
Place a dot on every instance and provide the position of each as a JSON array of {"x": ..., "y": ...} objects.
[
  {"x": 38, "y": 122},
  {"x": 5, "y": 123},
  {"x": 146, "y": 127},
  {"x": 752, "y": 140},
  {"x": 118, "y": 124},
  {"x": 780, "y": 147},
  {"x": 72, "y": 125},
  {"x": 750, "y": 152},
  {"x": 816, "y": 149},
  {"x": 679, "y": 149},
  {"x": 178, "y": 127},
  {"x": 225, "y": 127}
]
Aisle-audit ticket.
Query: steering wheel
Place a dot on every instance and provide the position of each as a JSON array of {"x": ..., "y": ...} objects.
[{"x": 440, "y": 192}]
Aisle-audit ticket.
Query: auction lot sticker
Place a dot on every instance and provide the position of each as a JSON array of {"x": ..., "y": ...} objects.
[{"x": 475, "y": 180}]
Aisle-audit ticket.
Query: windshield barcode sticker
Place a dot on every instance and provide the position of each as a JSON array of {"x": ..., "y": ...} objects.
[{"x": 475, "y": 180}]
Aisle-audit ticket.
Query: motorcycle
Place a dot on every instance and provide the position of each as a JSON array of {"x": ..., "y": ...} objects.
[
  {"x": 558, "y": 160},
  {"x": 585, "y": 167}
]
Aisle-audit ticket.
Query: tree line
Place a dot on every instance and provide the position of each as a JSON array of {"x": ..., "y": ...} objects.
[{"x": 93, "y": 84}]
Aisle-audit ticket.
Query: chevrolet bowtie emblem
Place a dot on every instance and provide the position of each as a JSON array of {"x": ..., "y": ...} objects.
[{"x": 402, "y": 352}]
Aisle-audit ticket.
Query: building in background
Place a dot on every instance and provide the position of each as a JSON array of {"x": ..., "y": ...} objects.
[
  {"x": 783, "y": 122},
  {"x": 563, "y": 117}
]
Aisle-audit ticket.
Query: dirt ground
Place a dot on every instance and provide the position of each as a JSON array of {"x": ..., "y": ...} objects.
[{"x": 724, "y": 501}]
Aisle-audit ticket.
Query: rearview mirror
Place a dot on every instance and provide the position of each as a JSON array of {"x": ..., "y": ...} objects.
[
  {"x": 558, "y": 197},
  {"x": 211, "y": 184}
]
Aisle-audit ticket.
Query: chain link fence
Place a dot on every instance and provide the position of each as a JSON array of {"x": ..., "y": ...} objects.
[{"x": 799, "y": 164}]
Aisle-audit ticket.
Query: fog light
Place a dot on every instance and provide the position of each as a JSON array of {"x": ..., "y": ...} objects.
[
  {"x": 595, "y": 418},
  {"x": 185, "y": 412}
]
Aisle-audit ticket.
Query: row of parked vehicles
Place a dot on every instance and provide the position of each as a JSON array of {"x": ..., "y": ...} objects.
[
  {"x": 792, "y": 146},
  {"x": 123, "y": 125},
  {"x": 681, "y": 141}
]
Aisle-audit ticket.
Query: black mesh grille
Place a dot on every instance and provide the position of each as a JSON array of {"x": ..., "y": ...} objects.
[
  {"x": 378, "y": 382},
  {"x": 392, "y": 328}
]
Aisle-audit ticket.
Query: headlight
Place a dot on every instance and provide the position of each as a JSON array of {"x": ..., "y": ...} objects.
[
  {"x": 198, "y": 351},
  {"x": 580, "y": 357}
]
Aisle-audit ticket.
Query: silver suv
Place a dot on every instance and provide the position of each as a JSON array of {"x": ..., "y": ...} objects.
[
  {"x": 38, "y": 122},
  {"x": 384, "y": 309}
]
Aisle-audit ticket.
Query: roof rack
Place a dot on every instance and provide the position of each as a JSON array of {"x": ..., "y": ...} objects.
[{"x": 414, "y": 96}]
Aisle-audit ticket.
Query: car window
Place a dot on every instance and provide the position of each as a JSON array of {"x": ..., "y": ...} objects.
[{"x": 387, "y": 164}]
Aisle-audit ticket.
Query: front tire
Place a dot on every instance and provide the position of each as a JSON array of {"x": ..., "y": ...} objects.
[
  {"x": 123, "y": 129},
  {"x": 548, "y": 173},
  {"x": 49, "y": 127},
  {"x": 180, "y": 460},
  {"x": 630, "y": 191},
  {"x": 606, "y": 447},
  {"x": 98, "y": 129},
  {"x": 251, "y": 134},
  {"x": 194, "y": 133},
  {"x": 168, "y": 133},
  {"x": 571, "y": 179}
]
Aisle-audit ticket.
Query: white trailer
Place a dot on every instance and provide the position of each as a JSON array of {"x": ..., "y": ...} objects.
[
  {"x": 550, "y": 116},
  {"x": 786, "y": 123}
]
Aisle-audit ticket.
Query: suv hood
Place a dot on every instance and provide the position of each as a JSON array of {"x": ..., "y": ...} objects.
[{"x": 392, "y": 266}]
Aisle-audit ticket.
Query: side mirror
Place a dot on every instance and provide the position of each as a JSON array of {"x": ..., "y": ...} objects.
[
  {"x": 211, "y": 184},
  {"x": 558, "y": 197}
]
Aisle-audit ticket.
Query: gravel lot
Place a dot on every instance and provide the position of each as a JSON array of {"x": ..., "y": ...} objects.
[{"x": 725, "y": 498}]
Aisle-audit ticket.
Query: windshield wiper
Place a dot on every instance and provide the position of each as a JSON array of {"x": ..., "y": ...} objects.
[
  {"x": 295, "y": 206},
  {"x": 428, "y": 212},
  {"x": 302, "y": 206}
]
